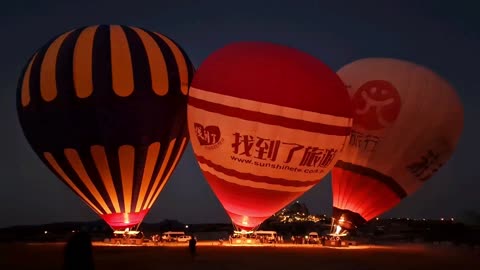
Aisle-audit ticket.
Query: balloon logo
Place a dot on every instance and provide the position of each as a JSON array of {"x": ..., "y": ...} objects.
[
  {"x": 376, "y": 105},
  {"x": 104, "y": 107},
  {"x": 267, "y": 123},
  {"x": 209, "y": 135}
]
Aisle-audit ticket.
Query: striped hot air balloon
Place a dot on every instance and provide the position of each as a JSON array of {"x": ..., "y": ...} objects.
[
  {"x": 406, "y": 125},
  {"x": 104, "y": 107},
  {"x": 266, "y": 124}
]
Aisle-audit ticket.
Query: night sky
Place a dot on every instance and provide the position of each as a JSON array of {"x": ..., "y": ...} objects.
[{"x": 442, "y": 35}]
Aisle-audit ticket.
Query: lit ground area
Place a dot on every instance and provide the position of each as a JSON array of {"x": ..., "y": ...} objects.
[{"x": 212, "y": 256}]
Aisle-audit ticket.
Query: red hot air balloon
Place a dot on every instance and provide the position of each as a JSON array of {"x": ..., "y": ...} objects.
[
  {"x": 104, "y": 107},
  {"x": 407, "y": 122},
  {"x": 267, "y": 123}
]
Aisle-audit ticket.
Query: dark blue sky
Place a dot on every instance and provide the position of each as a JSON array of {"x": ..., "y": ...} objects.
[{"x": 442, "y": 35}]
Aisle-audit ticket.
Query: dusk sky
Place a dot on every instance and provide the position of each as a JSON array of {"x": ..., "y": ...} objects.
[{"x": 442, "y": 35}]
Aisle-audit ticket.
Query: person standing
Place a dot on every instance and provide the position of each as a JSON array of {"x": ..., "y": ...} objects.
[
  {"x": 78, "y": 253},
  {"x": 192, "y": 246}
]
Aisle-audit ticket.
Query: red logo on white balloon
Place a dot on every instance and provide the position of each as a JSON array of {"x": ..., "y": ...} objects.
[
  {"x": 376, "y": 105},
  {"x": 208, "y": 135}
]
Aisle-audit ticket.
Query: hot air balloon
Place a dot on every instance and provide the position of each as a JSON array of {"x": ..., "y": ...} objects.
[
  {"x": 104, "y": 107},
  {"x": 266, "y": 123},
  {"x": 406, "y": 124}
]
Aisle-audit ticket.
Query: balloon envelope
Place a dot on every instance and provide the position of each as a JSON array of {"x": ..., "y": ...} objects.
[
  {"x": 267, "y": 123},
  {"x": 407, "y": 122},
  {"x": 104, "y": 107}
]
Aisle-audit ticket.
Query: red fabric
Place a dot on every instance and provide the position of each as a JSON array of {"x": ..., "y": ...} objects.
[
  {"x": 361, "y": 194},
  {"x": 253, "y": 222},
  {"x": 275, "y": 74},
  {"x": 253, "y": 177},
  {"x": 270, "y": 119},
  {"x": 254, "y": 203}
]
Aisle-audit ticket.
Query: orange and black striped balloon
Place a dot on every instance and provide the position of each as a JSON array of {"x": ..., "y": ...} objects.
[{"x": 104, "y": 107}]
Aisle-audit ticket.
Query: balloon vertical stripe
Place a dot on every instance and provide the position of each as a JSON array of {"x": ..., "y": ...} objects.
[
  {"x": 174, "y": 79},
  {"x": 77, "y": 165},
  {"x": 26, "y": 83},
  {"x": 101, "y": 163},
  {"x": 95, "y": 177},
  {"x": 122, "y": 70},
  {"x": 126, "y": 155},
  {"x": 82, "y": 63},
  {"x": 152, "y": 155},
  {"x": 156, "y": 62},
  {"x": 156, "y": 183},
  {"x": 173, "y": 165},
  {"x": 57, "y": 169},
  {"x": 181, "y": 64},
  {"x": 48, "y": 82}
]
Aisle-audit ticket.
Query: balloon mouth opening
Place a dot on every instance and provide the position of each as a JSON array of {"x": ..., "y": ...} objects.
[
  {"x": 245, "y": 222},
  {"x": 245, "y": 227},
  {"x": 124, "y": 221},
  {"x": 345, "y": 221}
]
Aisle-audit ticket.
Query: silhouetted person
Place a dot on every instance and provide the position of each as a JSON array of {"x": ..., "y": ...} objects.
[
  {"x": 323, "y": 240},
  {"x": 78, "y": 253},
  {"x": 192, "y": 246}
]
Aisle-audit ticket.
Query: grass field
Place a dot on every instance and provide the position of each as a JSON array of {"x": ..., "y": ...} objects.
[{"x": 49, "y": 256}]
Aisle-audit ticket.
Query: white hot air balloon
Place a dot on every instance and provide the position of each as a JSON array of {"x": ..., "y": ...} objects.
[{"x": 407, "y": 123}]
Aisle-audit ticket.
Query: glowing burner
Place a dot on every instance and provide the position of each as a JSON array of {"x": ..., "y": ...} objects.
[
  {"x": 346, "y": 219},
  {"x": 338, "y": 230},
  {"x": 245, "y": 221}
]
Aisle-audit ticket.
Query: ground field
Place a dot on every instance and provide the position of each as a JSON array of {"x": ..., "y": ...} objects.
[{"x": 212, "y": 256}]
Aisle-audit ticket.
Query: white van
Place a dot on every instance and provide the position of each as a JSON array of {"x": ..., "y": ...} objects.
[
  {"x": 268, "y": 236},
  {"x": 173, "y": 236},
  {"x": 313, "y": 238}
]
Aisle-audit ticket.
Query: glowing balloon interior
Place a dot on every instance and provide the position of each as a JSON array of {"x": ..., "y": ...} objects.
[
  {"x": 104, "y": 107},
  {"x": 267, "y": 123},
  {"x": 407, "y": 122}
]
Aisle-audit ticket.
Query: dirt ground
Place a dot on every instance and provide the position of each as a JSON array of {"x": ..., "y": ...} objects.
[{"x": 49, "y": 256}]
